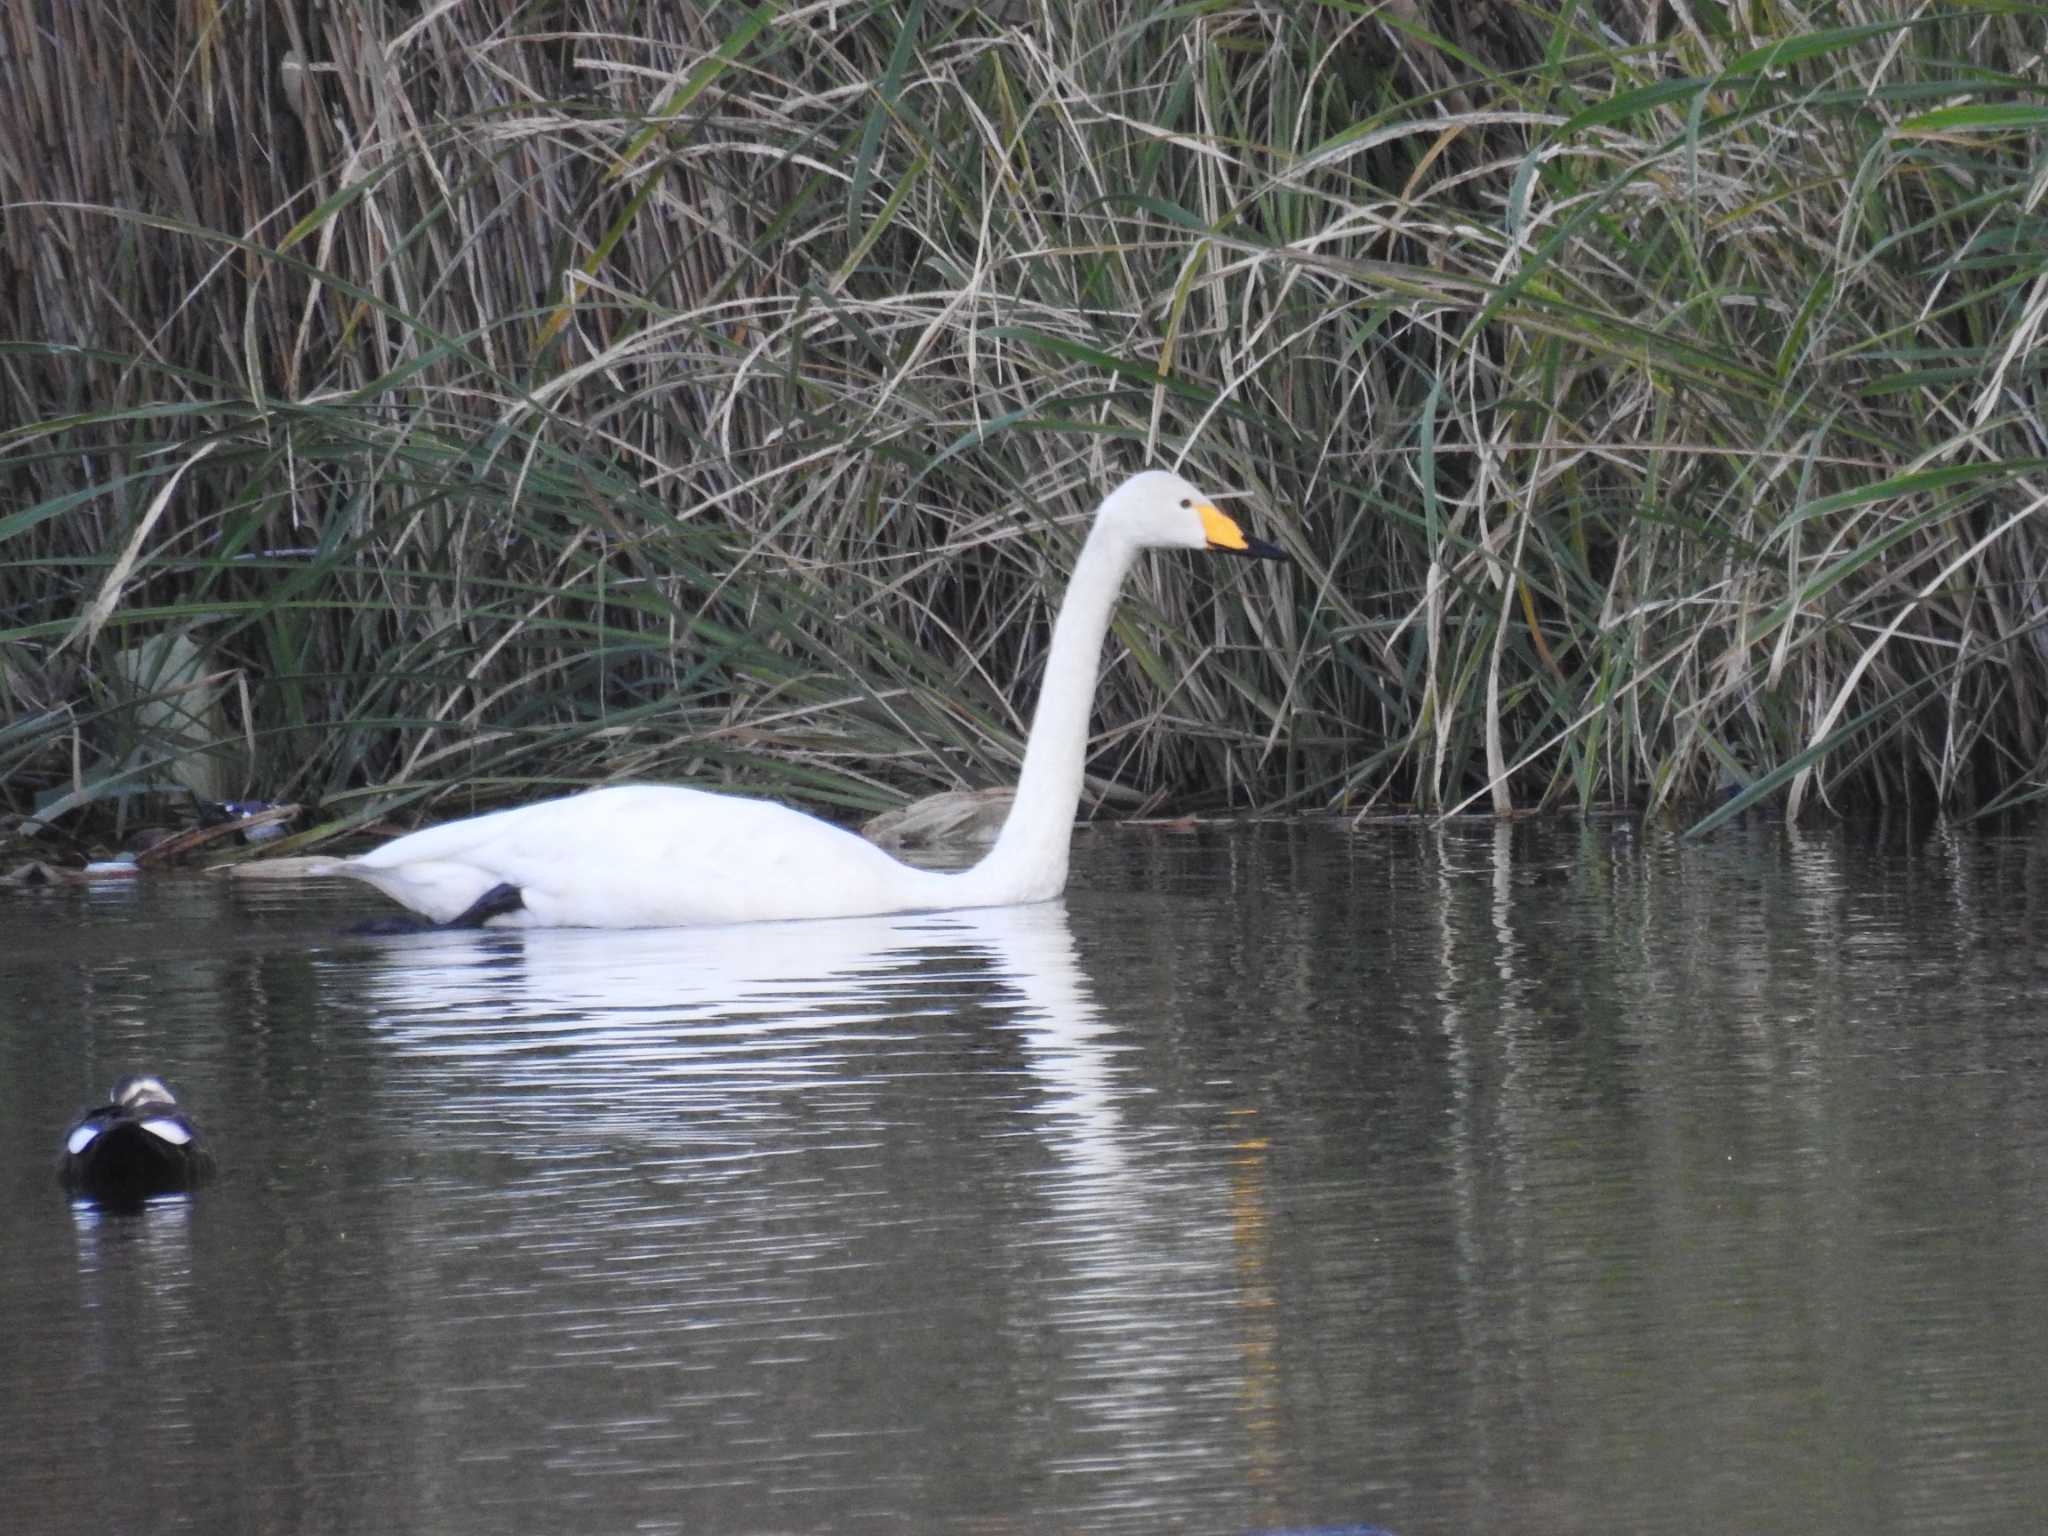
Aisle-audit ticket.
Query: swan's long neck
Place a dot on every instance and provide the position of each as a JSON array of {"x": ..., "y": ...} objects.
[{"x": 1029, "y": 860}]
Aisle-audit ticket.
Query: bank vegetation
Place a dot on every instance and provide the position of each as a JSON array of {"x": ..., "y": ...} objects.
[{"x": 408, "y": 409}]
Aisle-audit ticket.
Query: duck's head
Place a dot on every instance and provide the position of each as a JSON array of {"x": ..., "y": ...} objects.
[
  {"x": 1160, "y": 509},
  {"x": 143, "y": 1092}
]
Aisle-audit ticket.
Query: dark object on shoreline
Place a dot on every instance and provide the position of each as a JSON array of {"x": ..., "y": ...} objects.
[
  {"x": 139, "y": 1145},
  {"x": 258, "y": 820}
]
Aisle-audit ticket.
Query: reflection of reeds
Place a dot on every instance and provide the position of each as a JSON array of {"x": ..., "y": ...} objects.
[{"x": 694, "y": 391}]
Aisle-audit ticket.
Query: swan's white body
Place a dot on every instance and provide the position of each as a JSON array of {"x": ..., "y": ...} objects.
[
  {"x": 644, "y": 856},
  {"x": 661, "y": 856}
]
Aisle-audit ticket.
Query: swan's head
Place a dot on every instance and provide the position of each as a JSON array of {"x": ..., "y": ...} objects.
[{"x": 1159, "y": 509}]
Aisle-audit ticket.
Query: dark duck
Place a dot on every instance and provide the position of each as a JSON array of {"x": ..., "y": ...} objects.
[{"x": 139, "y": 1145}]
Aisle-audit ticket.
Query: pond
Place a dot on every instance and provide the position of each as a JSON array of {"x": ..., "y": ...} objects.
[{"x": 1550, "y": 1176}]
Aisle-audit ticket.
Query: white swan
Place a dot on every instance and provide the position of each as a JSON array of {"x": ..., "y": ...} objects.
[{"x": 658, "y": 856}]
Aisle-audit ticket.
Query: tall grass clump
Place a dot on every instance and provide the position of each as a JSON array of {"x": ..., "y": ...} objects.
[{"x": 415, "y": 407}]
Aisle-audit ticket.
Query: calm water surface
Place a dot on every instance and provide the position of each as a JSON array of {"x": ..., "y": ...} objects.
[{"x": 1553, "y": 1178}]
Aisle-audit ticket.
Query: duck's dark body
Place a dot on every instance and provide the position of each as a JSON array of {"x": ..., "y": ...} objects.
[{"x": 139, "y": 1145}]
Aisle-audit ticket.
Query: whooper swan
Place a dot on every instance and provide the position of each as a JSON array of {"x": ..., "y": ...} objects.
[{"x": 655, "y": 856}]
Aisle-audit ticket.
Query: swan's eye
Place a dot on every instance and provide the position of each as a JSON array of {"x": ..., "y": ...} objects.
[{"x": 1185, "y": 503}]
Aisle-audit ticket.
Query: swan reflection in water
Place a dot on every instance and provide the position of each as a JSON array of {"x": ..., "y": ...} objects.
[
  {"x": 915, "y": 1142},
  {"x": 633, "y": 1033}
]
